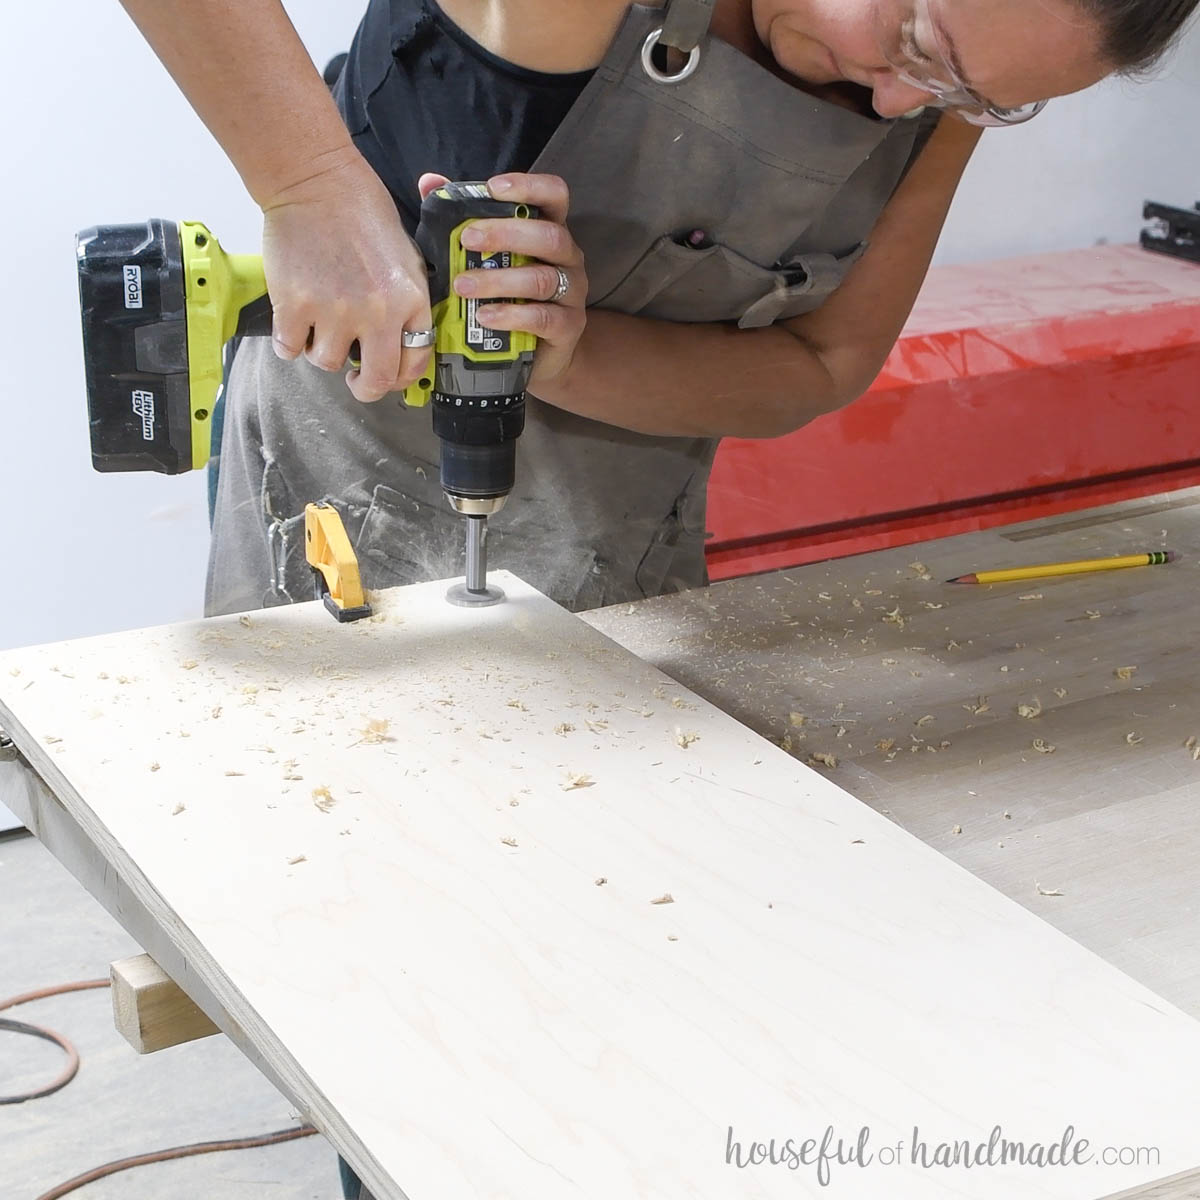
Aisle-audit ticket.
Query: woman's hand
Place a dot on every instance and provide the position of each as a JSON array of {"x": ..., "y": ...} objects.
[
  {"x": 556, "y": 317},
  {"x": 340, "y": 268}
]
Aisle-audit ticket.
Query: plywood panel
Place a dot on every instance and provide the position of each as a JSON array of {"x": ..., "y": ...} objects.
[{"x": 424, "y": 864}]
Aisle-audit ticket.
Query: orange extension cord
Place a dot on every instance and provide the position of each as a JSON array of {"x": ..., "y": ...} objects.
[{"x": 137, "y": 1160}]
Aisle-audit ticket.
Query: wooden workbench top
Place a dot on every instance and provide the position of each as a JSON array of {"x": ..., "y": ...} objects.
[{"x": 915, "y": 689}]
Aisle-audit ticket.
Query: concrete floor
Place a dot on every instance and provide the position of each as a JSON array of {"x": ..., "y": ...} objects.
[{"x": 122, "y": 1103}]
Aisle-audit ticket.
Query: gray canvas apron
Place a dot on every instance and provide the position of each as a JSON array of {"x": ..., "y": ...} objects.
[{"x": 724, "y": 194}]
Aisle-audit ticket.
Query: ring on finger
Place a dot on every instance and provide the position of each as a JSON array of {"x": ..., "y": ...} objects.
[
  {"x": 417, "y": 339},
  {"x": 564, "y": 286}
]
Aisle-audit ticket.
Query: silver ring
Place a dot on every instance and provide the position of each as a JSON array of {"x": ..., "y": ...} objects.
[
  {"x": 693, "y": 61},
  {"x": 418, "y": 339},
  {"x": 564, "y": 286}
]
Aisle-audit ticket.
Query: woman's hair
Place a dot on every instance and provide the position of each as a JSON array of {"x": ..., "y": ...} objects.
[{"x": 1136, "y": 33}]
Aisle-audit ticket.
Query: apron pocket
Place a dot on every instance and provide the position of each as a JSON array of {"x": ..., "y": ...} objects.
[{"x": 678, "y": 282}]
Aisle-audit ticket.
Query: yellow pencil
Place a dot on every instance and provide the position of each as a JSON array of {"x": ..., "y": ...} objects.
[{"x": 1151, "y": 558}]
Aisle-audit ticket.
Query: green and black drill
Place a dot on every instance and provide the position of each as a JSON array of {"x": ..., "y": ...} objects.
[{"x": 160, "y": 300}]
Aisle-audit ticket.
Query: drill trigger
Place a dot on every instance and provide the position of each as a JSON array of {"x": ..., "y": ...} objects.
[{"x": 335, "y": 567}]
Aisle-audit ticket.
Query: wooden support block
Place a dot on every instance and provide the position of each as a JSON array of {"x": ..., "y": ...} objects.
[{"x": 151, "y": 1010}]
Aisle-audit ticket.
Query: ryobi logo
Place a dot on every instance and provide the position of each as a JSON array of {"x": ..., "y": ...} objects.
[
  {"x": 143, "y": 406},
  {"x": 132, "y": 274}
]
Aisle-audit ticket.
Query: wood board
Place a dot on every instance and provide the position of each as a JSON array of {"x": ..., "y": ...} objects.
[{"x": 322, "y": 819}]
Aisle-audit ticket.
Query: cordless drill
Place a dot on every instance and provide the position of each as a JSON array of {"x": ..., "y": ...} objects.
[{"x": 159, "y": 302}]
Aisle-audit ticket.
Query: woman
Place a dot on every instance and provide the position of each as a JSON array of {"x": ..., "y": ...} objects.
[{"x": 722, "y": 163}]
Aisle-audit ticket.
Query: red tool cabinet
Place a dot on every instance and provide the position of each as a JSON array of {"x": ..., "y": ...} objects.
[{"x": 1019, "y": 388}]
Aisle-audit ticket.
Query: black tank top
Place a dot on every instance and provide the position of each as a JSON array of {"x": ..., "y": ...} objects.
[{"x": 418, "y": 94}]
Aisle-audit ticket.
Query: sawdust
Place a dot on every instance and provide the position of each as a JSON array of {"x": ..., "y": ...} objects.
[
  {"x": 921, "y": 570},
  {"x": 564, "y": 728},
  {"x": 684, "y": 740},
  {"x": 323, "y": 798},
  {"x": 1124, "y": 673},
  {"x": 885, "y": 745}
]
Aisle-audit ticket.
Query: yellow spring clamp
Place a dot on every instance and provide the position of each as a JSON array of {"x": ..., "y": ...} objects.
[{"x": 335, "y": 568}]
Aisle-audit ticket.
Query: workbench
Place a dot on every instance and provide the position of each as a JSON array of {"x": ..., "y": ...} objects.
[
  {"x": 1039, "y": 735},
  {"x": 913, "y": 687}
]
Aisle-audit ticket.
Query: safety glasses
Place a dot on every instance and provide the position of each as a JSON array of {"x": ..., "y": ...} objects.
[{"x": 915, "y": 46}]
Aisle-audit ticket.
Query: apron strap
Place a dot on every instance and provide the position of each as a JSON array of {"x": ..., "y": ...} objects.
[{"x": 686, "y": 23}]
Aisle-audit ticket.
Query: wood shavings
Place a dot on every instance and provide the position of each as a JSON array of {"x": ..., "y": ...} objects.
[
  {"x": 189, "y": 664},
  {"x": 671, "y": 937},
  {"x": 155, "y": 767},
  {"x": 1030, "y": 711},
  {"x": 600, "y": 882},
  {"x": 680, "y": 702},
  {"x": 374, "y": 732},
  {"x": 245, "y": 621},
  {"x": 1124, "y": 673},
  {"x": 665, "y": 898},
  {"x": 873, "y": 592},
  {"x": 178, "y": 809},
  {"x": 920, "y": 569},
  {"x": 216, "y": 712},
  {"x": 1133, "y": 738},
  {"x": 1061, "y": 693},
  {"x": 931, "y": 605},
  {"x": 51, "y": 740},
  {"x": 925, "y": 720},
  {"x": 1007, "y": 816},
  {"x": 563, "y": 729},
  {"x": 514, "y": 802},
  {"x": 1041, "y": 891},
  {"x": 250, "y": 689},
  {"x": 577, "y": 781},
  {"x": 1031, "y": 596},
  {"x": 1043, "y": 747},
  {"x": 684, "y": 740},
  {"x": 517, "y": 705},
  {"x": 889, "y": 662},
  {"x": 818, "y": 759},
  {"x": 323, "y": 798},
  {"x": 1004, "y": 669},
  {"x": 894, "y": 617},
  {"x": 980, "y": 706},
  {"x": 1091, "y": 614},
  {"x": 596, "y": 726},
  {"x": 1194, "y": 746},
  {"x": 299, "y": 858},
  {"x": 885, "y": 744},
  {"x": 234, "y": 774},
  {"x": 509, "y": 841},
  {"x": 956, "y": 829}
]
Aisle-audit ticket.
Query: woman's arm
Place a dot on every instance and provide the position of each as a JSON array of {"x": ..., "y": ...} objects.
[
  {"x": 660, "y": 377},
  {"x": 339, "y": 265}
]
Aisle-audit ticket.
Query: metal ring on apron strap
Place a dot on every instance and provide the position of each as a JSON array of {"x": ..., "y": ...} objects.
[{"x": 693, "y": 61}]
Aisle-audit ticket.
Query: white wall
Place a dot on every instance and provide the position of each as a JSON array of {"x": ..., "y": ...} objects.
[{"x": 95, "y": 132}]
